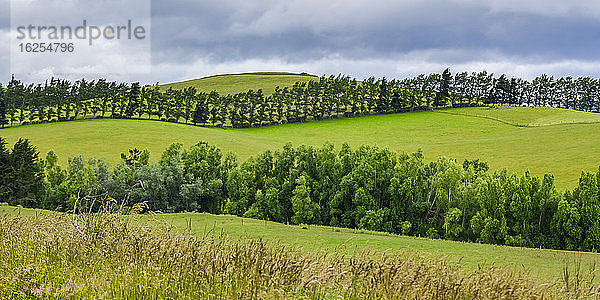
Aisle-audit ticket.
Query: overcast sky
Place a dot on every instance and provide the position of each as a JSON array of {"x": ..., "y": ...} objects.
[{"x": 195, "y": 38}]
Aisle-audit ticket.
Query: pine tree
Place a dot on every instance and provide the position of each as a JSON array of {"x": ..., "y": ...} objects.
[
  {"x": 396, "y": 101},
  {"x": 189, "y": 95},
  {"x": 383, "y": 98},
  {"x": 441, "y": 97},
  {"x": 201, "y": 111},
  {"x": 5, "y": 172},
  {"x": 28, "y": 174},
  {"x": 133, "y": 97}
]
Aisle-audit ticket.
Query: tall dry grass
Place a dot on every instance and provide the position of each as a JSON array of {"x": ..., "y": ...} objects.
[{"x": 105, "y": 256}]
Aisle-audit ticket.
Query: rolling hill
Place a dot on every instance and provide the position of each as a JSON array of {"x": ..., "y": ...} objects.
[
  {"x": 542, "y": 140},
  {"x": 547, "y": 140},
  {"x": 236, "y": 83}
]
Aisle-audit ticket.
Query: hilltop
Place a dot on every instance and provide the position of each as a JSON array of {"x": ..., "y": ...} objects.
[{"x": 237, "y": 83}]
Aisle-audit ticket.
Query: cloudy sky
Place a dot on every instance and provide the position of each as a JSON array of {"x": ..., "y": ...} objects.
[{"x": 194, "y": 38}]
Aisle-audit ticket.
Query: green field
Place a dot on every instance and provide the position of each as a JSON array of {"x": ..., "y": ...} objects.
[
  {"x": 564, "y": 149},
  {"x": 530, "y": 116},
  {"x": 544, "y": 265},
  {"x": 237, "y": 83}
]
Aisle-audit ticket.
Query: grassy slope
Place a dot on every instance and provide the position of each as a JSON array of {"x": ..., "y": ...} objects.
[
  {"x": 564, "y": 150},
  {"x": 232, "y": 84},
  {"x": 530, "y": 116},
  {"x": 546, "y": 265}
]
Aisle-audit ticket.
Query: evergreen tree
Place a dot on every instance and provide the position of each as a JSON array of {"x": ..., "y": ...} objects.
[
  {"x": 201, "y": 112},
  {"x": 442, "y": 96},
  {"x": 396, "y": 101},
  {"x": 133, "y": 99},
  {"x": 189, "y": 95},
  {"x": 383, "y": 98},
  {"x": 28, "y": 175},
  {"x": 501, "y": 92},
  {"x": 6, "y": 173}
]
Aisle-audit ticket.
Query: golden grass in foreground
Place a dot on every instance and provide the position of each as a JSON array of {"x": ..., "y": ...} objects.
[{"x": 103, "y": 255}]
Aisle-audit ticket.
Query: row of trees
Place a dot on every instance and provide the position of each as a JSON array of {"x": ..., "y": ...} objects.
[
  {"x": 366, "y": 188},
  {"x": 327, "y": 97}
]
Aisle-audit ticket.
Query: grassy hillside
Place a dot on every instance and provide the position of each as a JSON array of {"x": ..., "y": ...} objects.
[
  {"x": 236, "y": 83},
  {"x": 317, "y": 238},
  {"x": 564, "y": 150},
  {"x": 529, "y": 116},
  {"x": 545, "y": 265}
]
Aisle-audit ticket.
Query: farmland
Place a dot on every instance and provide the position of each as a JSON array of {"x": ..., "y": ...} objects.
[
  {"x": 555, "y": 141},
  {"x": 300, "y": 150},
  {"x": 285, "y": 186},
  {"x": 526, "y": 271}
]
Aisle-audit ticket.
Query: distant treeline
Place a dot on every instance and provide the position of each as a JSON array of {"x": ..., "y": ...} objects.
[
  {"x": 327, "y": 97},
  {"x": 365, "y": 188}
]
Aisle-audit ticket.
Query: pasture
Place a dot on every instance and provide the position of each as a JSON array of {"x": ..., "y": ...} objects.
[{"x": 557, "y": 141}]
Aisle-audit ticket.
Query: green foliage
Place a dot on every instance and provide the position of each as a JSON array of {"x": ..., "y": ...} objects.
[
  {"x": 133, "y": 100},
  {"x": 136, "y": 158},
  {"x": 368, "y": 188},
  {"x": 23, "y": 174},
  {"x": 454, "y": 230},
  {"x": 566, "y": 147},
  {"x": 303, "y": 207},
  {"x": 200, "y": 113},
  {"x": 405, "y": 227},
  {"x": 568, "y": 232},
  {"x": 309, "y": 98},
  {"x": 445, "y": 85},
  {"x": 6, "y": 174}
]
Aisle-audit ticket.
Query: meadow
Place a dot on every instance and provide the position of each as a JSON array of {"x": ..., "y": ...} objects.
[
  {"x": 541, "y": 140},
  {"x": 543, "y": 264},
  {"x": 529, "y": 116},
  {"x": 202, "y": 255}
]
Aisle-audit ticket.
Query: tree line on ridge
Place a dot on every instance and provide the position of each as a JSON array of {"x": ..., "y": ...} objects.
[{"x": 323, "y": 98}]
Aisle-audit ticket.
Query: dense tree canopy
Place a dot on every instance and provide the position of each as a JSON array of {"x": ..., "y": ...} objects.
[{"x": 366, "y": 188}]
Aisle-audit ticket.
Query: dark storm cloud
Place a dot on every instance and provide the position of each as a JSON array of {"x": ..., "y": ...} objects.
[
  {"x": 297, "y": 31},
  {"x": 380, "y": 37}
]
